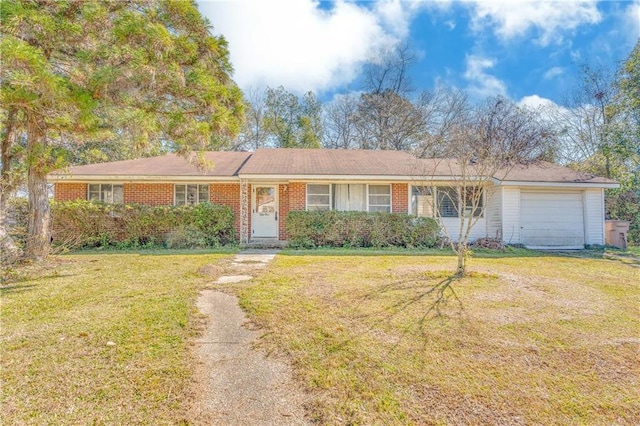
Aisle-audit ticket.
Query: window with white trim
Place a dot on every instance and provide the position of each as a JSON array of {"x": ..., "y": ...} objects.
[
  {"x": 450, "y": 199},
  {"x": 190, "y": 194},
  {"x": 318, "y": 197},
  {"x": 422, "y": 201},
  {"x": 380, "y": 198},
  {"x": 349, "y": 197},
  {"x": 106, "y": 193}
]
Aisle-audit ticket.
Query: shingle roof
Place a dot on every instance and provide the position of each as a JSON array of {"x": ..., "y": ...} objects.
[
  {"x": 288, "y": 162},
  {"x": 539, "y": 171},
  {"x": 226, "y": 164},
  {"x": 314, "y": 162},
  {"x": 548, "y": 172}
]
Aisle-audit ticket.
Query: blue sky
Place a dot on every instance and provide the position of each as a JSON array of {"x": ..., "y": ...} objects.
[{"x": 524, "y": 50}]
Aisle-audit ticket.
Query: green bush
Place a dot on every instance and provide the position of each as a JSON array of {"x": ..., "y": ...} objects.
[
  {"x": 307, "y": 229},
  {"x": 88, "y": 224}
]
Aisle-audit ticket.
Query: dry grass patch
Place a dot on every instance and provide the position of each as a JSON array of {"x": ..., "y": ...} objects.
[
  {"x": 395, "y": 340},
  {"x": 101, "y": 339}
]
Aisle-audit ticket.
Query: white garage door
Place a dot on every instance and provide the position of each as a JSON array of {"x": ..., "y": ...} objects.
[{"x": 552, "y": 219}]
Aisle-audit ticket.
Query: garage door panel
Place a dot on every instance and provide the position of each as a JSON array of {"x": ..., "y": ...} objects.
[{"x": 551, "y": 219}]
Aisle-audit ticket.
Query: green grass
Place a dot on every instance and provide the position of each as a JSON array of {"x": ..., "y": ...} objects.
[
  {"x": 101, "y": 339},
  {"x": 528, "y": 338}
]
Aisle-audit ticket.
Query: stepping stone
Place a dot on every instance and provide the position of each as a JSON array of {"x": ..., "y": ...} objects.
[{"x": 233, "y": 279}]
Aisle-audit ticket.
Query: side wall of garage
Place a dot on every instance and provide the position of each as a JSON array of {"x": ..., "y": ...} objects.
[{"x": 594, "y": 216}]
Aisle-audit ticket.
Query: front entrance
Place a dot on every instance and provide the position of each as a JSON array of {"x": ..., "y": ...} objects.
[{"x": 264, "y": 211}]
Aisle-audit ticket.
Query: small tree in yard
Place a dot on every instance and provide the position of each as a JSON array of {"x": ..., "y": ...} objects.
[{"x": 493, "y": 139}]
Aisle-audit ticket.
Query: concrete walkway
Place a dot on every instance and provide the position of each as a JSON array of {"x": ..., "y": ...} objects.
[{"x": 239, "y": 385}]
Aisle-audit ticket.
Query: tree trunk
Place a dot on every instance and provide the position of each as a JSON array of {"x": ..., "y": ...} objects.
[
  {"x": 10, "y": 251},
  {"x": 463, "y": 252},
  {"x": 39, "y": 231}
]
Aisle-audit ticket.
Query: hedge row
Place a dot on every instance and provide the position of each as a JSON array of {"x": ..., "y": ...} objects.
[
  {"x": 80, "y": 223},
  {"x": 308, "y": 229}
]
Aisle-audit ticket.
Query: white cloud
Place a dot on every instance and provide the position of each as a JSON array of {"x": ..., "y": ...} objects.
[
  {"x": 535, "y": 101},
  {"x": 302, "y": 47},
  {"x": 631, "y": 22},
  {"x": 551, "y": 19},
  {"x": 553, "y": 73},
  {"x": 481, "y": 83}
]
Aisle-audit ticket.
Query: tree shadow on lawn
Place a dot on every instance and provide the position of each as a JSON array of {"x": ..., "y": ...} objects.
[
  {"x": 150, "y": 251},
  {"x": 434, "y": 297},
  {"x": 368, "y": 251},
  {"x": 13, "y": 289}
]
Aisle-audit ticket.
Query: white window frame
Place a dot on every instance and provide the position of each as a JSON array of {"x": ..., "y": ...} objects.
[
  {"x": 100, "y": 192},
  {"x": 331, "y": 201},
  {"x": 431, "y": 193},
  {"x": 369, "y": 205},
  {"x": 307, "y": 205},
  {"x": 186, "y": 185},
  {"x": 457, "y": 202}
]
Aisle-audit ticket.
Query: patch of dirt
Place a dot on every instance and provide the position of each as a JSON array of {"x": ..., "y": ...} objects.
[
  {"x": 530, "y": 299},
  {"x": 211, "y": 271}
]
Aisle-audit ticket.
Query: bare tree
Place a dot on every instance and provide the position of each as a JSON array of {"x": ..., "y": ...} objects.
[
  {"x": 495, "y": 138},
  {"x": 388, "y": 71},
  {"x": 584, "y": 119},
  {"x": 340, "y": 129},
  {"x": 388, "y": 120},
  {"x": 386, "y": 116},
  {"x": 253, "y": 134},
  {"x": 444, "y": 109}
]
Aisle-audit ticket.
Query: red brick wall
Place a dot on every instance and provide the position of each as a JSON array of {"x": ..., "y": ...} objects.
[
  {"x": 152, "y": 194},
  {"x": 227, "y": 194},
  {"x": 297, "y": 196},
  {"x": 399, "y": 197},
  {"x": 67, "y": 191},
  {"x": 283, "y": 204}
]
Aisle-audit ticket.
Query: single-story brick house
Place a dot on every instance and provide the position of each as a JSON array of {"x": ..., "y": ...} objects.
[{"x": 537, "y": 205}]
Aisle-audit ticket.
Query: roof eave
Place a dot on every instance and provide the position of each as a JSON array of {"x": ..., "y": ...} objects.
[
  {"x": 301, "y": 177},
  {"x": 606, "y": 185},
  {"x": 136, "y": 178}
]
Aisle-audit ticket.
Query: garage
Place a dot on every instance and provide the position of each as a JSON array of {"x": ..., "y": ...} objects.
[{"x": 552, "y": 219}]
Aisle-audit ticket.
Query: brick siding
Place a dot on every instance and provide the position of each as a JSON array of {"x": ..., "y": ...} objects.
[
  {"x": 227, "y": 194},
  {"x": 152, "y": 194},
  {"x": 297, "y": 196},
  {"x": 399, "y": 197},
  {"x": 291, "y": 197},
  {"x": 67, "y": 191},
  {"x": 283, "y": 205}
]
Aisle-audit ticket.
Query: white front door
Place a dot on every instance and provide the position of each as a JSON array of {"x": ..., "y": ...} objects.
[{"x": 264, "y": 211}]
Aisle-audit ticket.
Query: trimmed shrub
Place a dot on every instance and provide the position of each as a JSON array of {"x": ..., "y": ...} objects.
[
  {"x": 89, "y": 224},
  {"x": 307, "y": 229}
]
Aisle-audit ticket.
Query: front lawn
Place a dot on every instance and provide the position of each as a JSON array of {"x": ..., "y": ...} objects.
[
  {"x": 101, "y": 339},
  {"x": 532, "y": 339}
]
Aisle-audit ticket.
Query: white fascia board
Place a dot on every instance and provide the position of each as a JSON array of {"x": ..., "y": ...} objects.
[
  {"x": 145, "y": 178},
  {"x": 301, "y": 178},
  {"x": 557, "y": 184},
  {"x": 333, "y": 178}
]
